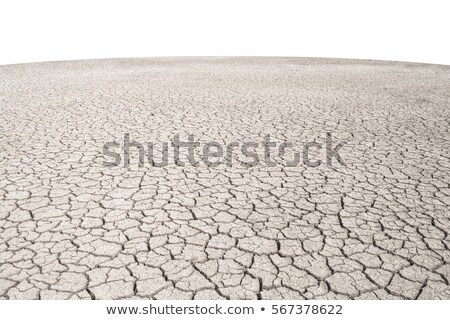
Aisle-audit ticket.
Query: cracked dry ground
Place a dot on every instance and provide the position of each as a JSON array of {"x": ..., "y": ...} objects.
[{"x": 375, "y": 229}]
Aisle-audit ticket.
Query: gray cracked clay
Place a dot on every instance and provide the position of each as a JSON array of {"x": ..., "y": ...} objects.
[{"x": 377, "y": 228}]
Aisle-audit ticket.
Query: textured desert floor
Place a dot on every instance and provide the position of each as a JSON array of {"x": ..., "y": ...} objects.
[{"x": 377, "y": 228}]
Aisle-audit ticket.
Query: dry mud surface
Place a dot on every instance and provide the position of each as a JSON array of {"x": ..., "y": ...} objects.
[{"x": 377, "y": 228}]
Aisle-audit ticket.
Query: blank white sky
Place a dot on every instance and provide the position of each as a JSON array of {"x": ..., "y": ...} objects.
[{"x": 43, "y": 30}]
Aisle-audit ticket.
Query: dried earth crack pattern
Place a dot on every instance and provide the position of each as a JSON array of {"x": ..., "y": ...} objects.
[{"x": 377, "y": 228}]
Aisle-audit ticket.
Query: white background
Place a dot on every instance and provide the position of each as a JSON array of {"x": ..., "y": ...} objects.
[
  {"x": 351, "y": 310},
  {"x": 43, "y": 30}
]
